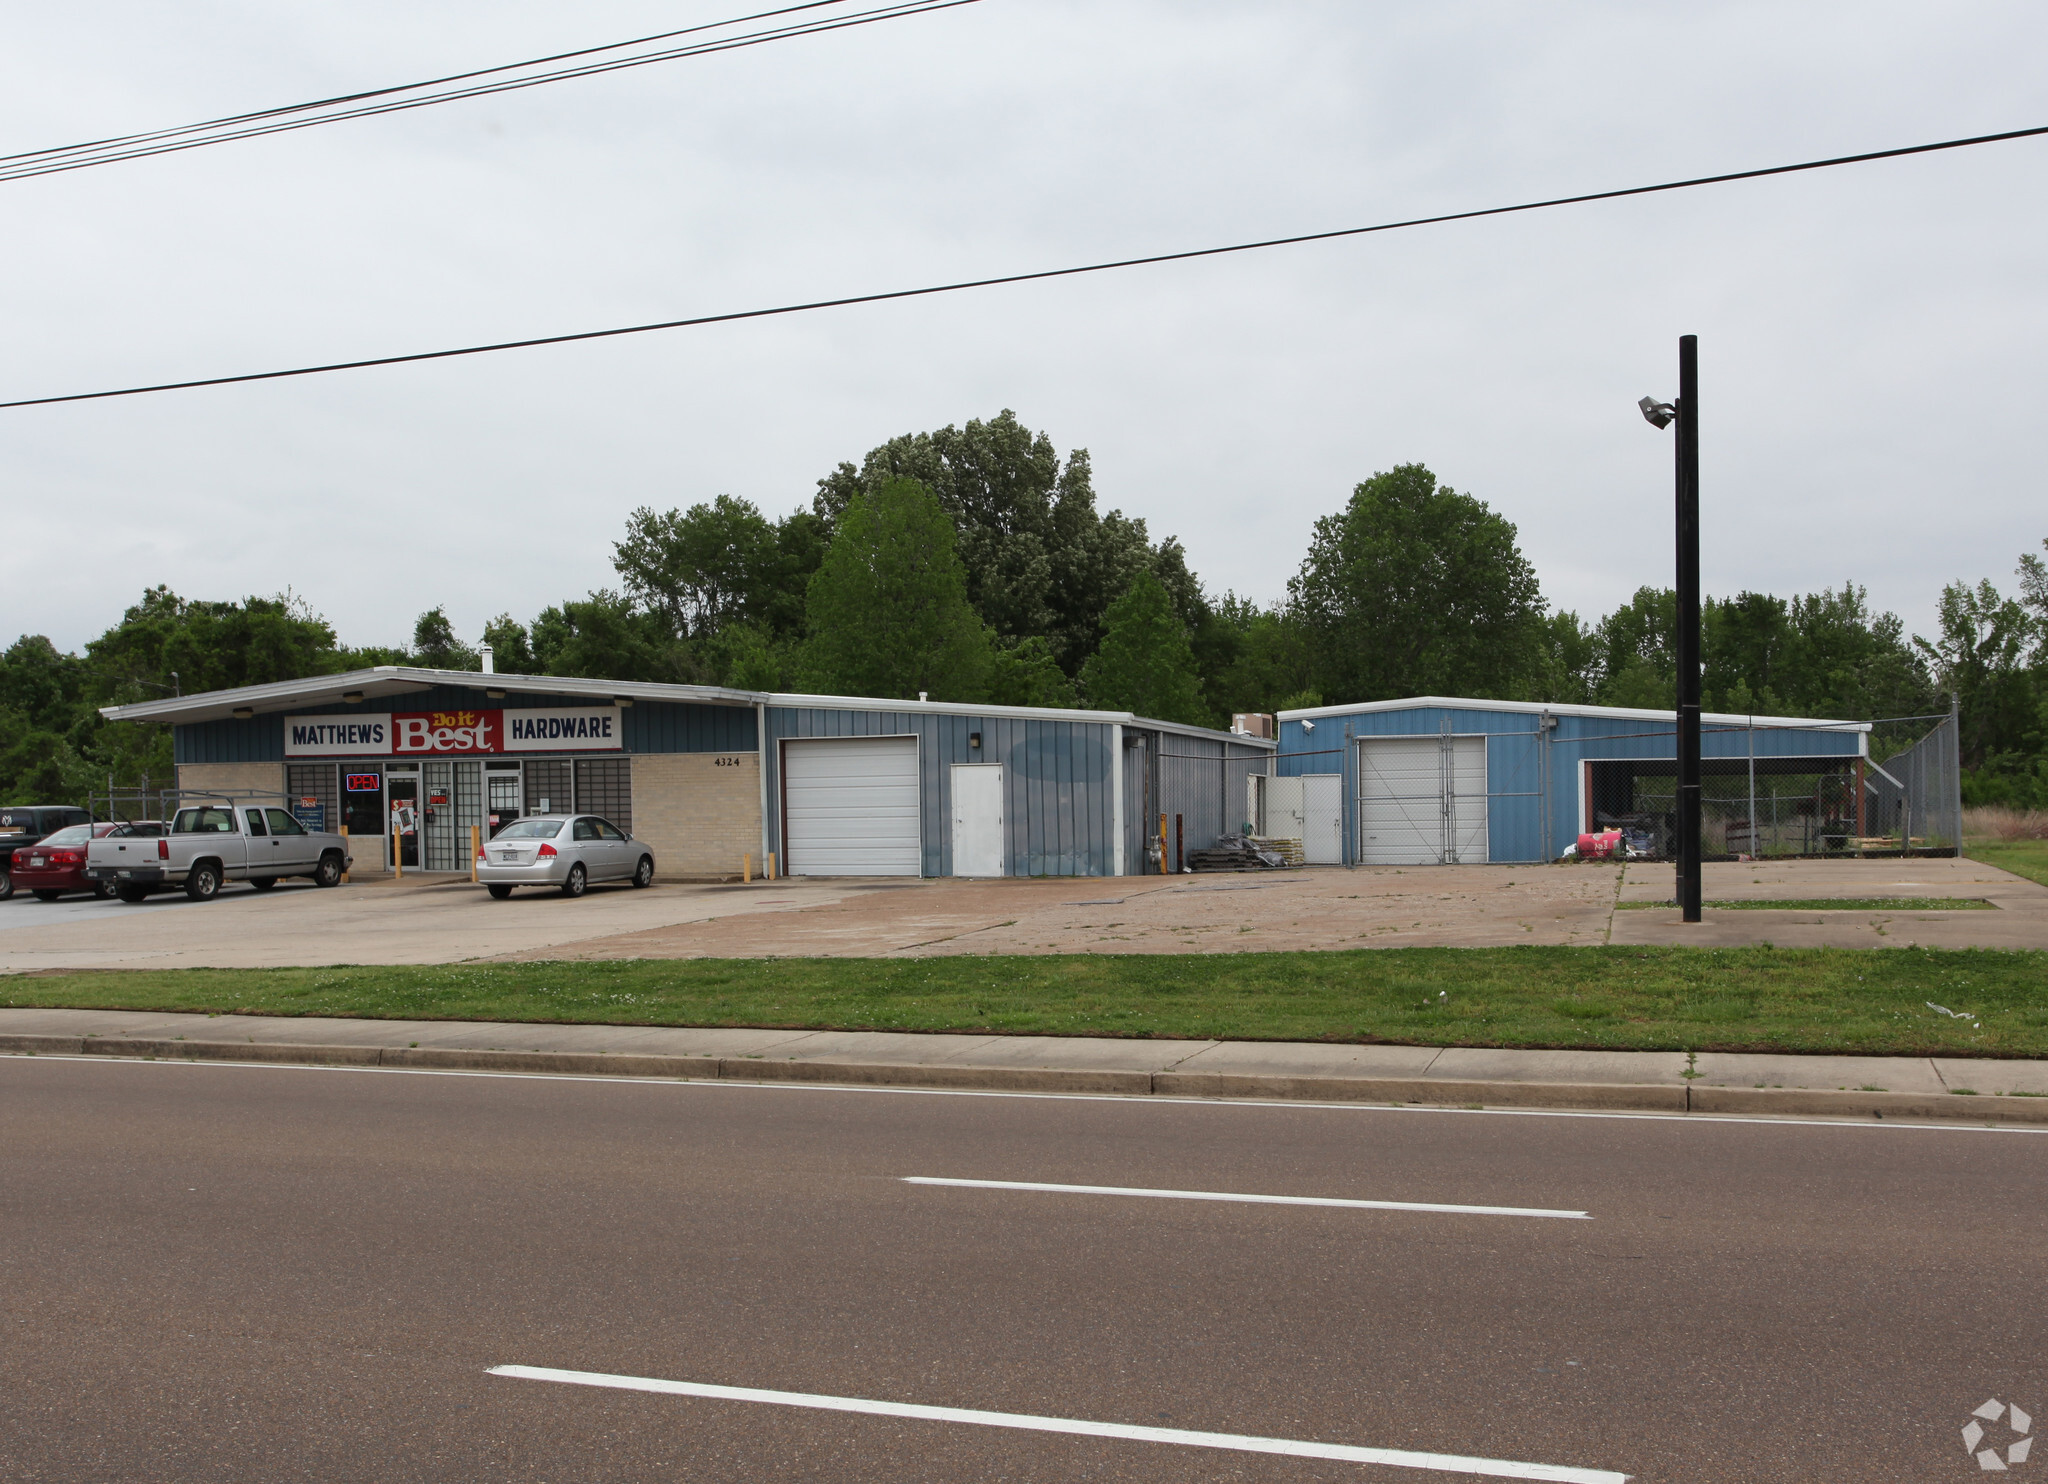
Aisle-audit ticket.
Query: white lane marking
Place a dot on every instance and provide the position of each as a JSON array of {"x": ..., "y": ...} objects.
[
  {"x": 1251, "y": 1200},
  {"x": 1496, "y": 1468},
  {"x": 1845, "y": 1121}
]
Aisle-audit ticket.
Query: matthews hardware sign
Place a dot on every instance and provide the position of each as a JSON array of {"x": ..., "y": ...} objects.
[{"x": 455, "y": 733}]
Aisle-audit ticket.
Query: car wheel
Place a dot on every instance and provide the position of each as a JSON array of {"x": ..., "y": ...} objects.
[
  {"x": 263, "y": 883},
  {"x": 329, "y": 873},
  {"x": 500, "y": 891},
  {"x": 131, "y": 893},
  {"x": 578, "y": 879},
  {"x": 202, "y": 884},
  {"x": 101, "y": 890},
  {"x": 47, "y": 894},
  {"x": 6, "y": 886},
  {"x": 643, "y": 875}
]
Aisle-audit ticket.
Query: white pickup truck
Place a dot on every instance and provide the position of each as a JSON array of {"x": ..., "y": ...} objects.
[{"x": 223, "y": 839}]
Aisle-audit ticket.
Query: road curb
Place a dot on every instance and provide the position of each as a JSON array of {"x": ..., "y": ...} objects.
[{"x": 1766, "y": 1102}]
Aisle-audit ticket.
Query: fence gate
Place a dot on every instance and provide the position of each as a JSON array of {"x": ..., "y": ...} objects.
[{"x": 1421, "y": 800}]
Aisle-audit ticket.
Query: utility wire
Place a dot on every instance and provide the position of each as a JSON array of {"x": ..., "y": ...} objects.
[
  {"x": 55, "y": 161},
  {"x": 1033, "y": 277}
]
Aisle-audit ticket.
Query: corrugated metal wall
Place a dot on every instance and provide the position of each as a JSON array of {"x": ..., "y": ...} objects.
[
  {"x": 1198, "y": 783},
  {"x": 1056, "y": 781},
  {"x": 1515, "y": 761}
]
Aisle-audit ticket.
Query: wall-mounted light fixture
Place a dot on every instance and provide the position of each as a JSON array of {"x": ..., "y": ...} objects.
[
  {"x": 496, "y": 695},
  {"x": 245, "y": 713},
  {"x": 974, "y": 741},
  {"x": 622, "y": 700},
  {"x": 352, "y": 697}
]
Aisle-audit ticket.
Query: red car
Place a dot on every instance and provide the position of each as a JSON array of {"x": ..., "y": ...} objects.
[{"x": 55, "y": 865}]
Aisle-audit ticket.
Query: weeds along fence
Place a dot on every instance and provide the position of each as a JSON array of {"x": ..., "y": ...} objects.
[{"x": 1474, "y": 790}]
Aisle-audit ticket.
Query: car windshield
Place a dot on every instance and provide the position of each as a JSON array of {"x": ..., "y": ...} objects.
[
  {"x": 203, "y": 822},
  {"x": 76, "y": 834},
  {"x": 531, "y": 829}
]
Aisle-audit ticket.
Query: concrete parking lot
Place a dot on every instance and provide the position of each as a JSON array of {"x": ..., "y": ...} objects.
[{"x": 1468, "y": 906}]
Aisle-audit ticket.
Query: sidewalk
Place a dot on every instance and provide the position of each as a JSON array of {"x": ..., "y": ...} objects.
[{"x": 1977, "y": 1090}]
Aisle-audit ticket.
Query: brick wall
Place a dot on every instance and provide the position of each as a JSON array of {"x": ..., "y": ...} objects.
[
  {"x": 233, "y": 777},
  {"x": 700, "y": 811}
]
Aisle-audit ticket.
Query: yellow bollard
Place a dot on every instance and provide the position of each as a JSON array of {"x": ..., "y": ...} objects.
[
  {"x": 344, "y": 854},
  {"x": 771, "y": 868},
  {"x": 397, "y": 853},
  {"x": 474, "y": 845},
  {"x": 747, "y": 869}
]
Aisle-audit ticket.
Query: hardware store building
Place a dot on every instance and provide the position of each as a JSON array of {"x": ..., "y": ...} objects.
[{"x": 844, "y": 785}]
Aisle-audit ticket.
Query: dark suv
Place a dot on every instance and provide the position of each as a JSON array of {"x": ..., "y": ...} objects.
[{"x": 25, "y": 825}]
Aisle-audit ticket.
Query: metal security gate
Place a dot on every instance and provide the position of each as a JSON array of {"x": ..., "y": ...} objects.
[
  {"x": 1421, "y": 800},
  {"x": 851, "y": 807}
]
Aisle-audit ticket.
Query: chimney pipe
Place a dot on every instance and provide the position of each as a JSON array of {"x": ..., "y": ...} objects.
[{"x": 490, "y": 662}]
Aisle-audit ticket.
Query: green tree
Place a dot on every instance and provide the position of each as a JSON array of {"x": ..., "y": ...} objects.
[
  {"x": 1145, "y": 664},
  {"x": 511, "y": 647},
  {"x": 435, "y": 647},
  {"x": 1039, "y": 560},
  {"x": 1416, "y": 589},
  {"x": 1981, "y": 659},
  {"x": 1028, "y": 674},
  {"x": 888, "y": 609},
  {"x": 606, "y": 637}
]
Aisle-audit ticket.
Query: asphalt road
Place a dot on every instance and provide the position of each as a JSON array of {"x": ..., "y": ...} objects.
[{"x": 257, "y": 1273}]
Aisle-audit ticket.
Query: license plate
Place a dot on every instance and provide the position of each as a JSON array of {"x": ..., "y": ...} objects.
[
  {"x": 126, "y": 873},
  {"x": 36, "y": 860},
  {"x": 506, "y": 858}
]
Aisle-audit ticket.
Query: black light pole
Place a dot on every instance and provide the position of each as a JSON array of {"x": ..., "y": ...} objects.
[{"x": 1685, "y": 412}]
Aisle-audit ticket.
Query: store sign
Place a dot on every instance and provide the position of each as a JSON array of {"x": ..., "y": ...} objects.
[
  {"x": 336, "y": 736},
  {"x": 456, "y": 733},
  {"x": 568, "y": 729},
  {"x": 311, "y": 815}
]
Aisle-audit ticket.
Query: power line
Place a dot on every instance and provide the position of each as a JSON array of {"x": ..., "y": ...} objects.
[
  {"x": 1037, "y": 276},
  {"x": 53, "y": 161}
]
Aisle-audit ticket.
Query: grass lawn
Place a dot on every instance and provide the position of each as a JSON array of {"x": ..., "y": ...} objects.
[
  {"x": 1838, "y": 904},
  {"x": 1870, "y": 1001},
  {"x": 2028, "y": 858}
]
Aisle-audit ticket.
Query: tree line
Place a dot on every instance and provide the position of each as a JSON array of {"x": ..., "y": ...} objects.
[{"x": 972, "y": 564}]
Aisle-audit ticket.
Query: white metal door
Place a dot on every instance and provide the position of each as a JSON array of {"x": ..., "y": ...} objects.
[
  {"x": 1281, "y": 816},
  {"x": 1421, "y": 800},
  {"x": 977, "y": 819},
  {"x": 852, "y": 806},
  {"x": 1322, "y": 819}
]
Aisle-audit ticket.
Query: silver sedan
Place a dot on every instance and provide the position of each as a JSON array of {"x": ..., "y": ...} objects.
[{"x": 565, "y": 851}]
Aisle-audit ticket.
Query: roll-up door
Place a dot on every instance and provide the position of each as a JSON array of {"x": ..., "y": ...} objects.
[
  {"x": 852, "y": 806},
  {"x": 1421, "y": 800}
]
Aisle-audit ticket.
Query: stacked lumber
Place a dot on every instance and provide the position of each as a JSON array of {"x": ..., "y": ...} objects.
[{"x": 1246, "y": 853}]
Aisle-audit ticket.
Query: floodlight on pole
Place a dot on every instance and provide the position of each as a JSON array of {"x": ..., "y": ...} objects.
[{"x": 1685, "y": 412}]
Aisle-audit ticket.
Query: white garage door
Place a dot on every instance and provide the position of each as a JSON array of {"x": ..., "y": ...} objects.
[
  {"x": 1421, "y": 800},
  {"x": 853, "y": 806}
]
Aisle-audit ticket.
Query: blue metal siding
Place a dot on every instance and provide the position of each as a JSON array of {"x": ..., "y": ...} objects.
[
  {"x": 1056, "y": 782},
  {"x": 671, "y": 726},
  {"x": 1514, "y": 760},
  {"x": 259, "y": 740}
]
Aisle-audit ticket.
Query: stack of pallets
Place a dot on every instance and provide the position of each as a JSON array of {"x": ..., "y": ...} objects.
[{"x": 1246, "y": 853}]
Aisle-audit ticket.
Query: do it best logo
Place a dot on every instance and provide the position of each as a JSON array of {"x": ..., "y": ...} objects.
[{"x": 2016, "y": 1422}]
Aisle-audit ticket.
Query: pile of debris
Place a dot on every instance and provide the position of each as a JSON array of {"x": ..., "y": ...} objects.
[{"x": 1246, "y": 853}]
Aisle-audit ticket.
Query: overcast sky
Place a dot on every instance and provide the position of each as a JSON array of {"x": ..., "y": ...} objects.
[{"x": 1871, "y": 337}]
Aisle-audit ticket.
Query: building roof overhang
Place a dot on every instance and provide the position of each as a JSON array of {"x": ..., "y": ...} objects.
[
  {"x": 390, "y": 682},
  {"x": 1538, "y": 708}
]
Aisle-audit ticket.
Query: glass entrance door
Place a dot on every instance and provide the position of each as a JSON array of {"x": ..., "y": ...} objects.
[
  {"x": 403, "y": 790},
  {"x": 502, "y": 790}
]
